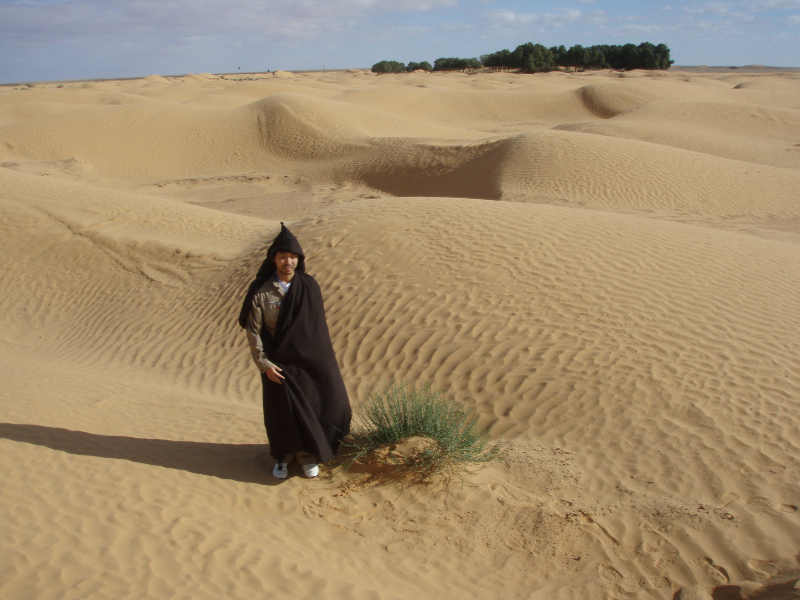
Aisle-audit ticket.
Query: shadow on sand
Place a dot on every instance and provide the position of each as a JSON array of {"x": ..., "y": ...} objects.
[{"x": 248, "y": 463}]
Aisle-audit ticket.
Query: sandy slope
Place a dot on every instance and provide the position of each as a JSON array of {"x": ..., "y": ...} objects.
[
  {"x": 607, "y": 266},
  {"x": 751, "y": 133}
]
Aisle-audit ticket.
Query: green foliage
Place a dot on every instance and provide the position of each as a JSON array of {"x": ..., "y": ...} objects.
[
  {"x": 456, "y": 64},
  {"x": 559, "y": 55},
  {"x": 622, "y": 58},
  {"x": 497, "y": 60},
  {"x": 398, "y": 412},
  {"x": 630, "y": 57},
  {"x": 577, "y": 57},
  {"x": 414, "y": 66},
  {"x": 664, "y": 61},
  {"x": 643, "y": 56},
  {"x": 595, "y": 59},
  {"x": 388, "y": 66},
  {"x": 532, "y": 58}
]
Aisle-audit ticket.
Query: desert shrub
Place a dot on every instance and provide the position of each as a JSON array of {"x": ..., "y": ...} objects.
[
  {"x": 497, "y": 60},
  {"x": 643, "y": 56},
  {"x": 415, "y": 66},
  {"x": 396, "y": 411},
  {"x": 532, "y": 58},
  {"x": 388, "y": 66},
  {"x": 456, "y": 64}
]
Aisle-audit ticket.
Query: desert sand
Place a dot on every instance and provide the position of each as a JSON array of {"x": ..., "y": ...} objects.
[{"x": 606, "y": 266}]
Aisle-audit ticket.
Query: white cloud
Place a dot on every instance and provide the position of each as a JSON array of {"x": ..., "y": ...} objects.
[
  {"x": 47, "y": 21},
  {"x": 411, "y": 4},
  {"x": 667, "y": 7},
  {"x": 597, "y": 17},
  {"x": 773, "y": 4},
  {"x": 601, "y": 17},
  {"x": 793, "y": 20},
  {"x": 709, "y": 8},
  {"x": 571, "y": 15},
  {"x": 742, "y": 17},
  {"x": 398, "y": 32},
  {"x": 504, "y": 18},
  {"x": 634, "y": 29},
  {"x": 455, "y": 26}
]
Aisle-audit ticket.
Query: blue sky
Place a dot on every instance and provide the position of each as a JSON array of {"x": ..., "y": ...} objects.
[{"x": 72, "y": 39}]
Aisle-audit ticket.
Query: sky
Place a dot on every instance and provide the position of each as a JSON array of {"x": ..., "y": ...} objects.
[{"x": 51, "y": 40}]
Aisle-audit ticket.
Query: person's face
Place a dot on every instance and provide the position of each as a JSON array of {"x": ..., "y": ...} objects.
[{"x": 286, "y": 262}]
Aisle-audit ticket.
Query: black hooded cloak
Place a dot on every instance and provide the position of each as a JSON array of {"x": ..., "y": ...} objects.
[{"x": 310, "y": 411}]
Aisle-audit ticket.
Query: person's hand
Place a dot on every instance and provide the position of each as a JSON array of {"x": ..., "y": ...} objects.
[{"x": 273, "y": 373}]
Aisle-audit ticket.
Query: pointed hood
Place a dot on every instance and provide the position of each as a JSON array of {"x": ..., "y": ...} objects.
[{"x": 283, "y": 242}]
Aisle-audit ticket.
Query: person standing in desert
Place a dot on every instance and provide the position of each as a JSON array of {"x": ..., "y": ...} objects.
[{"x": 306, "y": 408}]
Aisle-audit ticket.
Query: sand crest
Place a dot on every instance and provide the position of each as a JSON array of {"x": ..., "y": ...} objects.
[{"x": 606, "y": 267}]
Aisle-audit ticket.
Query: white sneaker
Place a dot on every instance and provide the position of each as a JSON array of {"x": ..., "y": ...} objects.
[
  {"x": 311, "y": 470},
  {"x": 280, "y": 470}
]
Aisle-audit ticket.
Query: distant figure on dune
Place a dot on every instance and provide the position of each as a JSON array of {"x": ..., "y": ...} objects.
[{"x": 306, "y": 408}]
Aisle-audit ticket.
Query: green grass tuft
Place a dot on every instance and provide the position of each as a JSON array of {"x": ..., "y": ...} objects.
[{"x": 397, "y": 412}]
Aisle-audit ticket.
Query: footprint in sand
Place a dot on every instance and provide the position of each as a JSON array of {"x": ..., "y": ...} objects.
[
  {"x": 767, "y": 506},
  {"x": 663, "y": 563},
  {"x": 765, "y": 567},
  {"x": 716, "y": 572},
  {"x": 610, "y": 574},
  {"x": 622, "y": 584}
]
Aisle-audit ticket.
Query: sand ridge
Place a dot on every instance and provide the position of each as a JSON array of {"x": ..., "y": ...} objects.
[
  {"x": 608, "y": 271},
  {"x": 746, "y": 132}
]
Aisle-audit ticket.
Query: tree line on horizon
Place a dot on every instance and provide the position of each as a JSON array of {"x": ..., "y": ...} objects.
[{"x": 535, "y": 58}]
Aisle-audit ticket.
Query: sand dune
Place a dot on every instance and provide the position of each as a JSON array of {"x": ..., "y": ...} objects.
[
  {"x": 165, "y": 139},
  {"x": 770, "y": 84},
  {"x": 13, "y": 113},
  {"x": 156, "y": 79},
  {"x": 605, "y": 173},
  {"x": 149, "y": 141},
  {"x": 609, "y": 274},
  {"x": 746, "y": 132},
  {"x": 608, "y": 99},
  {"x": 328, "y": 140},
  {"x": 479, "y": 108},
  {"x": 74, "y": 94}
]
